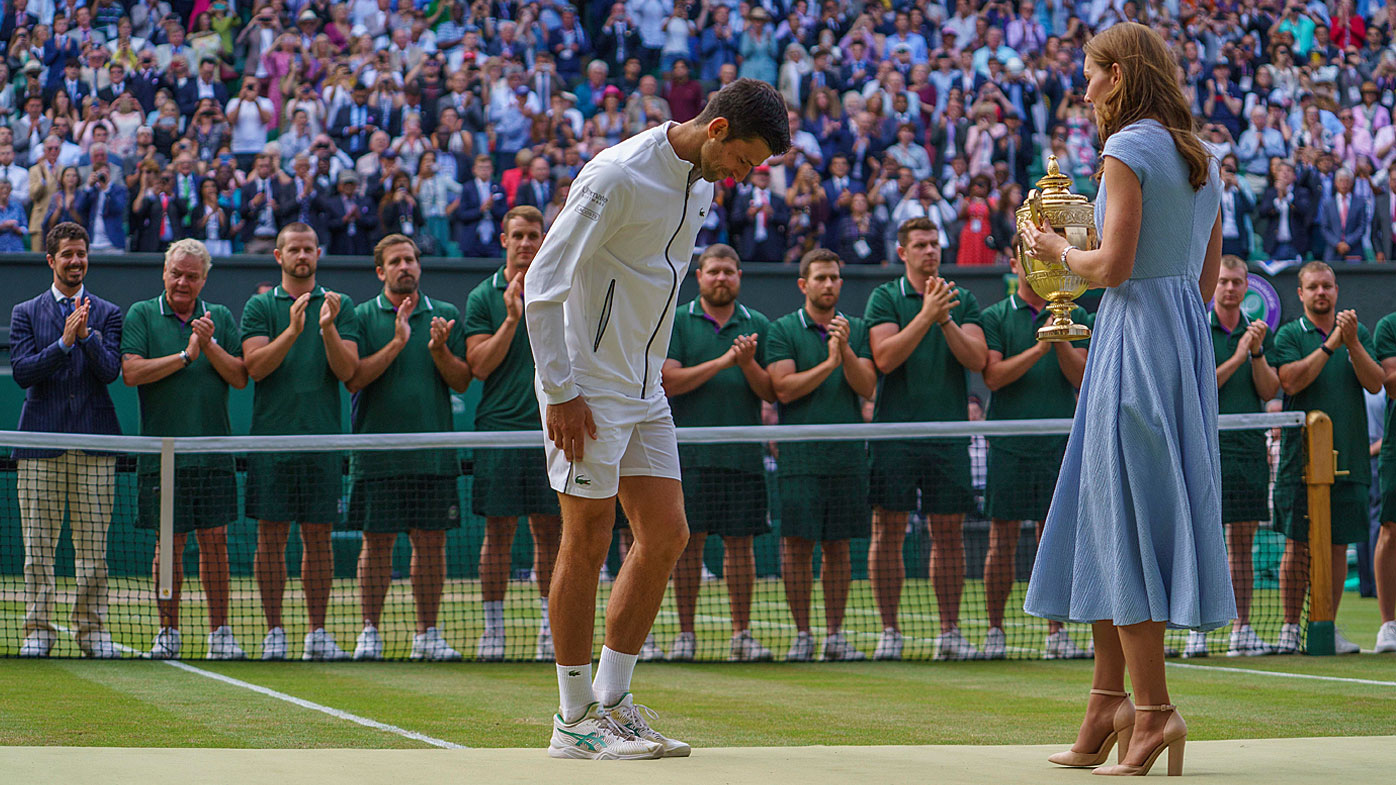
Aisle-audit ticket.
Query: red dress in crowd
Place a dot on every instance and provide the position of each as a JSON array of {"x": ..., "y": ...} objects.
[{"x": 973, "y": 248}]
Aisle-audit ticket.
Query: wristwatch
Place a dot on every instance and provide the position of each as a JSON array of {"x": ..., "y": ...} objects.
[
  {"x": 1257, "y": 355},
  {"x": 184, "y": 355}
]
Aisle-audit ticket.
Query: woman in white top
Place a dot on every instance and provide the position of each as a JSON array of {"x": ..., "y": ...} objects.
[
  {"x": 677, "y": 30},
  {"x": 795, "y": 66},
  {"x": 126, "y": 116},
  {"x": 410, "y": 146},
  {"x": 437, "y": 195}
]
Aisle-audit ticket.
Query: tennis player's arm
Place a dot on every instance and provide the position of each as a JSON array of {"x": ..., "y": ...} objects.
[
  {"x": 1112, "y": 263},
  {"x": 596, "y": 208}
]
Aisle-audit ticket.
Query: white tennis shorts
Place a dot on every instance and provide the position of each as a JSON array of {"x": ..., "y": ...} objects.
[{"x": 633, "y": 438}]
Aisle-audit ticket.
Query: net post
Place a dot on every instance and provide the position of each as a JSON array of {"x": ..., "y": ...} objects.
[
  {"x": 1318, "y": 477},
  {"x": 166, "y": 545}
]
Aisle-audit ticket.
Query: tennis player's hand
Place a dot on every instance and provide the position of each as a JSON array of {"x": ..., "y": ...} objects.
[{"x": 569, "y": 425}]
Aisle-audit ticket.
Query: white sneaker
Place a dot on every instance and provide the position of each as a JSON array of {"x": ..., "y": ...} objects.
[
  {"x": 99, "y": 646},
  {"x": 543, "y": 647},
  {"x": 320, "y": 645},
  {"x": 1060, "y": 646},
  {"x": 274, "y": 645},
  {"x": 745, "y": 648},
  {"x": 1386, "y": 638},
  {"x": 1341, "y": 645},
  {"x": 683, "y": 648},
  {"x": 802, "y": 648},
  {"x": 167, "y": 643},
  {"x": 222, "y": 645},
  {"x": 708, "y": 575},
  {"x": 995, "y": 644},
  {"x": 1289, "y": 639},
  {"x": 37, "y": 644},
  {"x": 605, "y": 576},
  {"x": 650, "y": 651},
  {"x": 598, "y": 736},
  {"x": 490, "y": 648},
  {"x": 889, "y": 645},
  {"x": 369, "y": 645},
  {"x": 1245, "y": 643},
  {"x": 838, "y": 649},
  {"x": 953, "y": 646},
  {"x": 432, "y": 647},
  {"x": 631, "y": 716},
  {"x": 1196, "y": 646}
]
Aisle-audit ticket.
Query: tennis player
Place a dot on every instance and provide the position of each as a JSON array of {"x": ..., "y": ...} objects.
[{"x": 599, "y": 303}]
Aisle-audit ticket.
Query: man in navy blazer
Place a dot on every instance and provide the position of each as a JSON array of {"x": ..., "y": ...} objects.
[
  {"x": 64, "y": 351},
  {"x": 839, "y": 188},
  {"x": 1345, "y": 220},
  {"x": 103, "y": 202},
  {"x": 479, "y": 211}
]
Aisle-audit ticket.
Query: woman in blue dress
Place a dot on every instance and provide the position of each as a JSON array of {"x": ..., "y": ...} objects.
[{"x": 1133, "y": 542}]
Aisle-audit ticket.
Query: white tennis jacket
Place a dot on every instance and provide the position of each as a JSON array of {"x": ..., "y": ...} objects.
[{"x": 599, "y": 296}]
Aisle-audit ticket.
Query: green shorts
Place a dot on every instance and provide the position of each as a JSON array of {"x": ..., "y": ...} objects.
[
  {"x": 1349, "y": 516},
  {"x": 400, "y": 504},
  {"x": 814, "y": 507},
  {"x": 1020, "y": 487},
  {"x": 725, "y": 502},
  {"x": 939, "y": 469},
  {"x": 510, "y": 483},
  {"x": 303, "y": 487},
  {"x": 1245, "y": 487},
  {"x": 205, "y": 498}
]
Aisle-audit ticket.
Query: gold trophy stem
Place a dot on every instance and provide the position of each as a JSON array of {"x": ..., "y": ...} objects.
[{"x": 1061, "y": 327}]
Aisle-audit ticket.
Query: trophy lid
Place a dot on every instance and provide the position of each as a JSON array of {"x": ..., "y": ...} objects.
[{"x": 1055, "y": 187}]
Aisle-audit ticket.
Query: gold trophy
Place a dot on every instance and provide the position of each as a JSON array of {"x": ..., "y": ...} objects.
[{"x": 1072, "y": 216}]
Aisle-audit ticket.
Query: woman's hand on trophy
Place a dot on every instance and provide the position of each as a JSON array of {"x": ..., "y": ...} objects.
[{"x": 1043, "y": 242}]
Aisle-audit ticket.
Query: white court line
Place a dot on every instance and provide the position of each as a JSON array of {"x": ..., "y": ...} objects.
[
  {"x": 1283, "y": 674},
  {"x": 302, "y": 702}
]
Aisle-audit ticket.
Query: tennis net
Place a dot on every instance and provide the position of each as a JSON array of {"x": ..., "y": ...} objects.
[{"x": 397, "y": 531}]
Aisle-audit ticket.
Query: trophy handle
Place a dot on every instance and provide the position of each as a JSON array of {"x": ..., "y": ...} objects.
[{"x": 1035, "y": 212}]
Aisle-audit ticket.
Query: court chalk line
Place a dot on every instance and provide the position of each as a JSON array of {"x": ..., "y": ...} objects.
[
  {"x": 1284, "y": 674},
  {"x": 302, "y": 702}
]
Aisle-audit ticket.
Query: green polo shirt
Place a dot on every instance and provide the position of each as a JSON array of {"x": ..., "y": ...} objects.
[
  {"x": 1238, "y": 395},
  {"x": 1385, "y": 344},
  {"x": 302, "y": 395},
  {"x": 798, "y": 337},
  {"x": 410, "y": 396},
  {"x": 931, "y": 385},
  {"x": 192, "y": 401},
  {"x": 508, "y": 402},
  {"x": 726, "y": 398},
  {"x": 1336, "y": 391},
  {"x": 1044, "y": 392}
]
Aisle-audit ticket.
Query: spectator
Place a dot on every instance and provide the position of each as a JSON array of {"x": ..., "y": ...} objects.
[
  {"x": 809, "y": 211},
  {"x": 14, "y": 224},
  {"x": 975, "y": 215},
  {"x": 908, "y": 153},
  {"x": 263, "y": 207},
  {"x": 43, "y": 185},
  {"x": 157, "y": 217},
  {"x": 251, "y": 116},
  {"x": 183, "y": 367},
  {"x": 297, "y": 374},
  {"x": 1325, "y": 361},
  {"x": 478, "y": 214},
  {"x": 860, "y": 233},
  {"x": 757, "y": 49},
  {"x": 66, "y": 205},
  {"x": 683, "y": 95},
  {"x": 409, "y": 349},
  {"x": 1286, "y": 206},
  {"x": 1237, "y": 205},
  {"x": 436, "y": 194},
  {"x": 820, "y": 365},
  {"x": 537, "y": 190},
  {"x": 210, "y": 224},
  {"x": 350, "y": 218},
  {"x": 646, "y": 108},
  {"x": 398, "y": 211},
  {"x": 761, "y": 218},
  {"x": 1344, "y": 220},
  {"x": 719, "y": 43},
  {"x": 102, "y": 201},
  {"x": 1384, "y": 217},
  {"x": 63, "y": 352}
]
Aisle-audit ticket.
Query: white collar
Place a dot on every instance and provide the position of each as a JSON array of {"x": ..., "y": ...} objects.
[{"x": 59, "y": 297}]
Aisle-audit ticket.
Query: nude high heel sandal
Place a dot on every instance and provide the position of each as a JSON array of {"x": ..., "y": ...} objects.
[
  {"x": 1124, "y": 726},
  {"x": 1175, "y": 736}
]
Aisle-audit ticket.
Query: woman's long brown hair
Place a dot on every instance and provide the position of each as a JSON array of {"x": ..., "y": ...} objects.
[{"x": 1148, "y": 89}]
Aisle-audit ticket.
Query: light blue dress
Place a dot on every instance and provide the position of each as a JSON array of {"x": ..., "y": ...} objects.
[{"x": 1134, "y": 532}]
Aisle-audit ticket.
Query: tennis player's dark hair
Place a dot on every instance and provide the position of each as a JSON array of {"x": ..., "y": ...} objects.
[{"x": 753, "y": 109}]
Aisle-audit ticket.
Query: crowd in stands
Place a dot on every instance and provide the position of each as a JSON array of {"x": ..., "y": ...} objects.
[{"x": 224, "y": 120}]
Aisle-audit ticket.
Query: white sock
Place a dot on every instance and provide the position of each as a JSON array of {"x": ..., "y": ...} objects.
[
  {"x": 574, "y": 687},
  {"x": 547, "y": 623},
  {"x": 494, "y": 617},
  {"x": 613, "y": 674}
]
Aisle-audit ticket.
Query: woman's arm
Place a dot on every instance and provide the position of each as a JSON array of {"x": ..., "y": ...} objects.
[{"x": 1211, "y": 264}]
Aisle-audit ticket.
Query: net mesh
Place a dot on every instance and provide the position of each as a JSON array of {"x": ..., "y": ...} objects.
[{"x": 332, "y": 532}]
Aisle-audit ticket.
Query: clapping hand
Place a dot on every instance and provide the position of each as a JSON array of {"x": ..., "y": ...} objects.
[
  {"x": 75, "y": 326},
  {"x": 203, "y": 331},
  {"x": 329, "y": 310},
  {"x": 298, "y": 313},
  {"x": 742, "y": 351},
  {"x": 838, "y": 339},
  {"x": 513, "y": 299},
  {"x": 939, "y": 300},
  {"x": 1346, "y": 325},
  {"x": 440, "y": 331},
  {"x": 401, "y": 329}
]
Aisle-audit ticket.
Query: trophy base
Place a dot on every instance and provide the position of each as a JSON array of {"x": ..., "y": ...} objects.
[{"x": 1066, "y": 332}]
